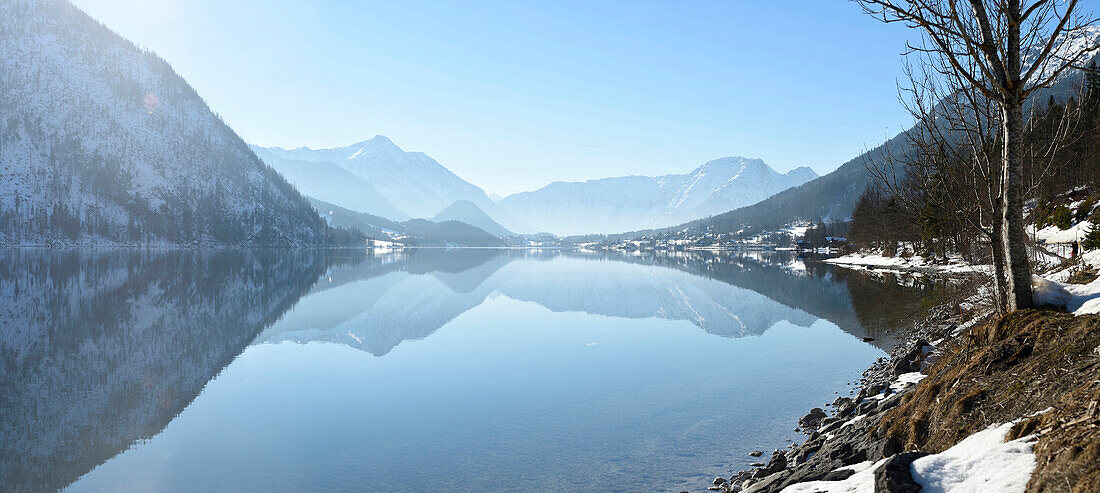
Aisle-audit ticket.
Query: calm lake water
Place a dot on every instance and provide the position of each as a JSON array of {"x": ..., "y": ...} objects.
[{"x": 431, "y": 370}]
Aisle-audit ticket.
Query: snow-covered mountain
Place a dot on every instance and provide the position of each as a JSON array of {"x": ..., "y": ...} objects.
[
  {"x": 411, "y": 181},
  {"x": 102, "y": 142},
  {"x": 638, "y": 202},
  {"x": 469, "y": 213}
]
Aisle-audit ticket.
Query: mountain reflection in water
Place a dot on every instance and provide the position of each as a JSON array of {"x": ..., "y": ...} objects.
[{"x": 102, "y": 350}]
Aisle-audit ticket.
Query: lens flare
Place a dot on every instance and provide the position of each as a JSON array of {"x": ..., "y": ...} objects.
[{"x": 150, "y": 102}]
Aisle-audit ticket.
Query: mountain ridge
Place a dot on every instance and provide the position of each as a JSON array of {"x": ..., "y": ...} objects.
[
  {"x": 637, "y": 201},
  {"x": 412, "y": 181}
]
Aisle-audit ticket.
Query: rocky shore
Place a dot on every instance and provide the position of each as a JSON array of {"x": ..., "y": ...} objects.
[
  {"x": 843, "y": 435},
  {"x": 970, "y": 402}
]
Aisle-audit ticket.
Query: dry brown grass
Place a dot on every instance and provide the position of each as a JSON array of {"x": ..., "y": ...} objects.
[{"x": 1010, "y": 368}]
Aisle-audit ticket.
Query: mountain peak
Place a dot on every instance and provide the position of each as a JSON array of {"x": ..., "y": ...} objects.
[
  {"x": 468, "y": 212},
  {"x": 727, "y": 165},
  {"x": 380, "y": 140},
  {"x": 803, "y": 173}
]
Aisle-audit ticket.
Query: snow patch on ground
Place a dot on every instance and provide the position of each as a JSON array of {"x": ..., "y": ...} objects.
[
  {"x": 911, "y": 378},
  {"x": 1078, "y": 299},
  {"x": 863, "y": 481},
  {"x": 981, "y": 462}
]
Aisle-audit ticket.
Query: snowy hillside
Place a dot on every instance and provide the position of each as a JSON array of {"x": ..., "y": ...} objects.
[
  {"x": 101, "y": 142},
  {"x": 638, "y": 202}
]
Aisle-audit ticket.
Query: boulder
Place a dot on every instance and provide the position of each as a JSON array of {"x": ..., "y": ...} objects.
[
  {"x": 895, "y": 476},
  {"x": 910, "y": 361},
  {"x": 778, "y": 463},
  {"x": 838, "y": 475},
  {"x": 813, "y": 419},
  {"x": 884, "y": 448}
]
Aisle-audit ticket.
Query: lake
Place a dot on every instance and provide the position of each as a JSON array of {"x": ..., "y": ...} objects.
[{"x": 426, "y": 370}]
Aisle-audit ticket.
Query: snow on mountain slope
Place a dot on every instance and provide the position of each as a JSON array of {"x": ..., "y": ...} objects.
[
  {"x": 331, "y": 183},
  {"x": 411, "y": 181},
  {"x": 469, "y": 213},
  {"x": 638, "y": 202},
  {"x": 101, "y": 142}
]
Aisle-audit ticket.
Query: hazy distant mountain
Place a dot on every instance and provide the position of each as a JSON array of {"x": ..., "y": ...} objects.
[
  {"x": 331, "y": 183},
  {"x": 469, "y": 213},
  {"x": 421, "y": 232},
  {"x": 102, "y": 142},
  {"x": 411, "y": 181},
  {"x": 638, "y": 202}
]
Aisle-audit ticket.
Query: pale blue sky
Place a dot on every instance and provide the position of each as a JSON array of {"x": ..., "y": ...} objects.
[{"x": 512, "y": 95}]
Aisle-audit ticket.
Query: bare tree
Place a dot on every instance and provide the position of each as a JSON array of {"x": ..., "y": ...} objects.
[
  {"x": 1005, "y": 51},
  {"x": 952, "y": 164}
]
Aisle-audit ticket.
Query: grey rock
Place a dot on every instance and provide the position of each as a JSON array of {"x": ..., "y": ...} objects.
[
  {"x": 813, "y": 419},
  {"x": 876, "y": 389},
  {"x": 719, "y": 481},
  {"x": 840, "y": 401},
  {"x": 895, "y": 476},
  {"x": 838, "y": 475},
  {"x": 883, "y": 448},
  {"x": 778, "y": 463},
  {"x": 756, "y": 453},
  {"x": 911, "y": 360}
]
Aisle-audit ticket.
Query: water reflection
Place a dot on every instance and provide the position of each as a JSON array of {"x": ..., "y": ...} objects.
[
  {"x": 102, "y": 350},
  {"x": 375, "y": 305}
]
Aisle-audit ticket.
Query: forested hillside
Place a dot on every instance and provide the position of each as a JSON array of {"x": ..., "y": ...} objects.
[
  {"x": 103, "y": 143},
  {"x": 1061, "y": 173}
]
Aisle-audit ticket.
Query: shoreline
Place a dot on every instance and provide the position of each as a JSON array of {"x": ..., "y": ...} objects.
[
  {"x": 969, "y": 401},
  {"x": 837, "y": 439}
]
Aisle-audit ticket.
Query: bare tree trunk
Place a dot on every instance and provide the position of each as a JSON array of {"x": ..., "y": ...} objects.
[
  {"x": 996, "y": 242},
  {"x": 1013, "y": 106},
  {"x": 1014, "y": 236}
]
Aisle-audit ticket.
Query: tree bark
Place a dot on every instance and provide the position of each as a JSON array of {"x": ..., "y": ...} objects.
[
  {"x": 996, "y": 243},
  {"x": 1014, "y": 236},
  {"x": 1012, "y": 104}
]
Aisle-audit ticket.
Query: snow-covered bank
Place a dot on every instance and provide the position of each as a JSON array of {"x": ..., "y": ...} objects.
[
  {"x": 912, "y": 263},
  {"x": 1054, "y": 289},
  {"x": 992, "y": 404}
]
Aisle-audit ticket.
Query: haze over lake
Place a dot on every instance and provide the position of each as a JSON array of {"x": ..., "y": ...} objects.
[{"x": 461, "y": 370}]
